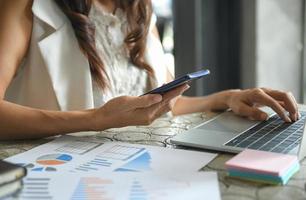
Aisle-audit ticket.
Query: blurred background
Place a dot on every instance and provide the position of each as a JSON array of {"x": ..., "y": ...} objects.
[{"x": 245, "y": 43}]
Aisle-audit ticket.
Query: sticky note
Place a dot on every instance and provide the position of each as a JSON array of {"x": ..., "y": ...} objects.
[
  {"x": 269, "y": 167},
  {"x": 262, "y": 162}
]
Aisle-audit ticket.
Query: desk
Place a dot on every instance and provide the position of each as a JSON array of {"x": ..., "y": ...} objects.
[{"x": 159, "y": 134}]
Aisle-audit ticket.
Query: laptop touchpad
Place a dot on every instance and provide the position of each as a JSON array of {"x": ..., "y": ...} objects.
[{"x": 228, "y": 122}]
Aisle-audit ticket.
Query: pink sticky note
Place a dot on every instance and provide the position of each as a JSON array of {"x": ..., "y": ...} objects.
[{"x": 262, "y": 162}]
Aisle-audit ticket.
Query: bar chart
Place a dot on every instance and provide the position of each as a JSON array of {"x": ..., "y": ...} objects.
[
  {"x": 35, "y": 188},
  {"x": 92, "y": 188},
  {"x": 121, "y": 152},
  {"x": 118, "y": 154},
  {"x": 78, "y": 147}
]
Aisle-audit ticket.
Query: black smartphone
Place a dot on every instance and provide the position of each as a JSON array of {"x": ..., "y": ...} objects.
[{"x": 179, "y": 81}]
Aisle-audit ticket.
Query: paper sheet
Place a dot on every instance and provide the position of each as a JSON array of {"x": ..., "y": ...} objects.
[
  {"x": 74, "y": 155},
  {"x": 114, "y": 186},
  {"x": 77, "y": 168}
]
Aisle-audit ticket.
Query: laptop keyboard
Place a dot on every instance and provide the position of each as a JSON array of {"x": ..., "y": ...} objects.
[{"x": 272, "y": 135}]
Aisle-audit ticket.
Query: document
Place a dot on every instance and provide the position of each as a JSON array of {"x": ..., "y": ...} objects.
[
  {"x": 74, "y": 155},
  {"x": 116, "y": 186},
  {"x": 80, "y": 168}
]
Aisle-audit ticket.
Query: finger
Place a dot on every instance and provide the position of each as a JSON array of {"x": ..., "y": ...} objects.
[
  {"x": 281, "y": 103},
  {"x": 146, "y": 100},
  {"x": 252, "y": 113},
  {"x": 290, "y": 103},
  {"x": 175, "y": 92},
  {"x": 296, "y": 114},
  {"x": 294, "y": 117},
  {"x": 264, "y": 98},
  {"x": 156, "y": 107},
  {"x": 288, "y": 99},
  {"x": 167, "y": 97},
  {"x": 149, "y": 114},
  {"x": 163, "y": 110}
]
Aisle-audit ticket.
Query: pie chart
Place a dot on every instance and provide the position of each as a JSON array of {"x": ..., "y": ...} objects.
[{"x": 54, "y": 159}]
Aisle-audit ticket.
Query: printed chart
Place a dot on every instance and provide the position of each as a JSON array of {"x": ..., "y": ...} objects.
[
  {"x": 139, "y": 164},
  {"x": 79, "y": 147},
  {"x": 94, "y": 165},
  {"x": 137, "y": 191},
  {"x": 75, "y": 154},
  {"x": 92, "y": 188},
  {"x": 118, "y": 154},
  {"x": 47, "y": 163},
  {"x": 54, "y": 159},
  {"x": 121, "y": 152},
  {"x": 35, "y": 188}
]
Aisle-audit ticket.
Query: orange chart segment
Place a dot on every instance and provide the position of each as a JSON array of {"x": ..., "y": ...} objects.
[{"x": 50, "y": 162}]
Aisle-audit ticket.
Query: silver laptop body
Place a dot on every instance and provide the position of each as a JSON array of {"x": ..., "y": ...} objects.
[{"x": 230, "y": 133}]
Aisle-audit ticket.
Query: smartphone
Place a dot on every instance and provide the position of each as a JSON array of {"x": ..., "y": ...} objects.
[{"x": 179, "y": 81}]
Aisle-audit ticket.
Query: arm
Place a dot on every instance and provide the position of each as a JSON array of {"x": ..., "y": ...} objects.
[
  {"x": 18, "y": 121},
  {"x": 23, "y": 122},
  {"x": 242, "y": 102},
  {"x": 214, "y": 102}
]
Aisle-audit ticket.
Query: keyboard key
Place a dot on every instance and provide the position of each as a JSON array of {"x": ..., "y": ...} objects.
[
  {"x": 282, "y": 136},
  {"x": 243, "y": 144},
  {"x": 266, "y": 148},
  {"x": 273, "y": 143},
  {"x": 291, "y": 139},
  {"x": 256, "y": 145},
  {"x": 284, "y": 146},
  {"x": 278, "y": 150},
  {"x": 278, "y": 139}
]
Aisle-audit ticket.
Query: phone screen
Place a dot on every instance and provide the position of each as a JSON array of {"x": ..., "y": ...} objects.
[{"x": 179, "y": 81}]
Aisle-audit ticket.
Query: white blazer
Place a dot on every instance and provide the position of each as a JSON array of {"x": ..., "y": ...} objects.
[{"x": 55, "y": 74}]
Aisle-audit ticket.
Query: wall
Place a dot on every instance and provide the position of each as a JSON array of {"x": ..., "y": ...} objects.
[{"x": 279, "y": 42}]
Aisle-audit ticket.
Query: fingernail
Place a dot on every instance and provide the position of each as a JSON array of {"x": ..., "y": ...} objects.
[
  {"x": 299, "y": 115},
  {"x": 286, "y": 116},
  {"x": 157, "y": 98},
  {"x": 287, "y": 119},
  {"x": 264, "y": 117},
  {"x": 295, "y": 116}
]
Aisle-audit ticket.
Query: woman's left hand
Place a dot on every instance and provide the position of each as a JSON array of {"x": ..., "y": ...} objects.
[{"x": 246, "y": 102}]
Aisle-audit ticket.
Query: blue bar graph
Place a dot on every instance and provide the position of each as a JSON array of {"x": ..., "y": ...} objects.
[
  {"x": 105, "y": 159},
  {"x": 91, "y": 188}
]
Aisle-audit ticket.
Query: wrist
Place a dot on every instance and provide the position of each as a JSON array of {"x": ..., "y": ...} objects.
[
  {"x": 228, "y": 96},
  {"x": 222, "y": 101},
  {"x": 92, "y": 118},
  {"x": 98, "y": 120}
]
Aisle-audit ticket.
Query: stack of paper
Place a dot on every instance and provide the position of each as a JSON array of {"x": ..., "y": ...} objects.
[
  {"x": 78, "y": 168},
  {"x": 268, "y": 167},
  {"x": 10, "y": 178},
  {"x": 118, "y": 186}
]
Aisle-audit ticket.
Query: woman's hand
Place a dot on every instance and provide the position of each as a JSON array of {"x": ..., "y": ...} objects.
[
  {"x": 127, "y": 110},
  {"x": 246, "y": 103}
]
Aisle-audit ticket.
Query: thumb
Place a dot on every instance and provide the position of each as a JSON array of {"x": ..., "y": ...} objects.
[{"x": 147, "y": 100}]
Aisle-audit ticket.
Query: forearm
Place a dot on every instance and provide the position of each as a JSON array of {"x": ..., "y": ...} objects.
[
  {"x": 22, "y": 122},
  {"x": 214, "y": 102}
]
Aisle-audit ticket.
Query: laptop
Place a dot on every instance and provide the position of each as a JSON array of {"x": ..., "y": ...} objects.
[{"x": 230, "y": 133}]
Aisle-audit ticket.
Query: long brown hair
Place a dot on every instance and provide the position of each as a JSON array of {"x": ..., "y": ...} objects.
[{"x": 138, "y": 16}]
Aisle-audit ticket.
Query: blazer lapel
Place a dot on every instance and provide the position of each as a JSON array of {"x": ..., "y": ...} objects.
[{"x": 67, "y": 66}]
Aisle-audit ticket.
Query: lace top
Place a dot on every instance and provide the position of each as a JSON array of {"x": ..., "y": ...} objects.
[{"x": 124, "y": 77}]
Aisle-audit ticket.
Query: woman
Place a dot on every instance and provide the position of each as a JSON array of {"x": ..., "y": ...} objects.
[{"x": 63, "y": 64}]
